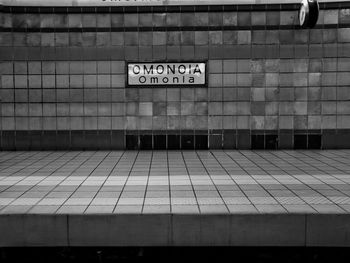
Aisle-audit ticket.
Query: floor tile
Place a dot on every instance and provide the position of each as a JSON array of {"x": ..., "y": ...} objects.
[{"x": 149, "y": 182}]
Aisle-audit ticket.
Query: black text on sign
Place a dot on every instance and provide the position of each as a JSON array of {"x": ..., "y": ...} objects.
[{"x": 166, "y": 74}]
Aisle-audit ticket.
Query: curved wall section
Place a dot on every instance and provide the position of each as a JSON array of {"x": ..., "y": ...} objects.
[{"x": 143, "y": 2}]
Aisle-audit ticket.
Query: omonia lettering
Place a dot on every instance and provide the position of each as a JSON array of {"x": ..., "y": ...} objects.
[{"x": 166, "y": 74}]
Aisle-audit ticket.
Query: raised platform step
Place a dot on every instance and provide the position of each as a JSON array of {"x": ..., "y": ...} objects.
[{"x": 175, "y": 230}]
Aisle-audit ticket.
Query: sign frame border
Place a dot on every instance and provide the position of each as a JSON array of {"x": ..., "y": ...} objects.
[{"x": 206, "y": 78}]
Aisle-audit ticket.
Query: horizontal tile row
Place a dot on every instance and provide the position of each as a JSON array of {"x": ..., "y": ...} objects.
[
  {"x": 175, "y": 38},
  {"x": 156, "y": 19},
  {"x": 325, "y": 95},
  {"x": 186, "y": 139},
  {"x": 63, "y": 67},
  {"x": 175, "y": 108},
  {"x": 268, "y": 6},
  {"x": 186, "y": 122},
  {"x": 186, "y": 52},
  {"x": 228, "y": 18}
]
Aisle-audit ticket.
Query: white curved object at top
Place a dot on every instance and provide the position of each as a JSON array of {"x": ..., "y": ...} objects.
[{"x": 141, "y": 2}]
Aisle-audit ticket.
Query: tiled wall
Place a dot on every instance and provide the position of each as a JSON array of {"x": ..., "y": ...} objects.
[{"x": 270, "y": 83}]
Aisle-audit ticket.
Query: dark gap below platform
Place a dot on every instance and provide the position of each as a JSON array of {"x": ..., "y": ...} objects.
[{"x": 175, "y": 254}]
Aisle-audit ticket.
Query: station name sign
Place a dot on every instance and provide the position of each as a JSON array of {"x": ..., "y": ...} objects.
[{"x": 166, "y": 74}]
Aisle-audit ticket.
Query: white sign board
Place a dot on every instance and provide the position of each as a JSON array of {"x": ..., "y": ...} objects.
[{"x": 166, "y": 74}]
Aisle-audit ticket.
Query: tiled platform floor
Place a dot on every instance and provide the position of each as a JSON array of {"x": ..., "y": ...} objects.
[
  {"x": 175, "y": 182},
  {"x": 189, "y": 198}
]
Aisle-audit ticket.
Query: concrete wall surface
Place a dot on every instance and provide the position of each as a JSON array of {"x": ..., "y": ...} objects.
[{"x": 175, "y": 230}]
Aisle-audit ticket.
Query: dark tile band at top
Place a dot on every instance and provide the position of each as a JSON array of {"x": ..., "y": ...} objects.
[
  {"x": 121, "y": 139},
  {"x": 165, "y": 28},
  {"x": 169, "y": 9}
]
